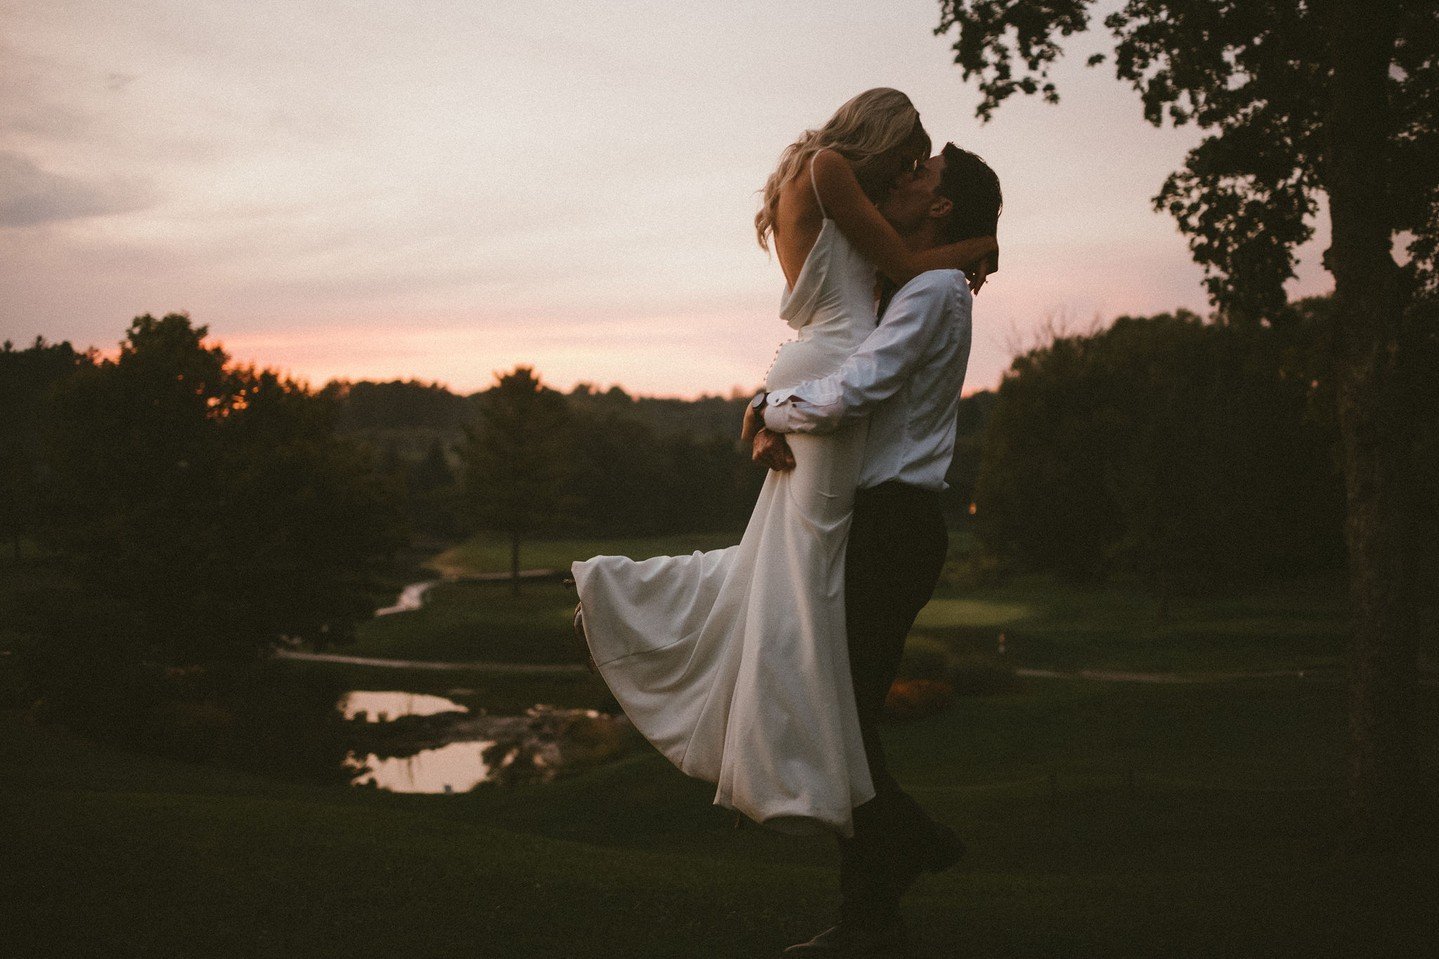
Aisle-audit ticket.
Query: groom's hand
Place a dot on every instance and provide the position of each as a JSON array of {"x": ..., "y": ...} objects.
[
  {"x": 752, "y": 425},
  {"x": 771, "y": 449}
]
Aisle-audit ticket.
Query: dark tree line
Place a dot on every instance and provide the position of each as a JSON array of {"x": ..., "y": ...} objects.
[
  {"x": 525, "y": 460},
  {"x": 634, "y": 465},
  {"x": 27, "y": 379}
]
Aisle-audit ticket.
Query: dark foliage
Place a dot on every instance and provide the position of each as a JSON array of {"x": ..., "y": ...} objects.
[
  {"x": 28, "y": 378},
  {"x": 635, "y": 465},
  {"x": 1167, "y": 448},
  {"x": 698, "y": 479},
  {"x": 1331, "y": 97},
  {"x": 517, "y": 461},
  {"x": 395, "y": 405},
  {"x": 197, "y": 513},
  {"x": 1262, "y": 77}
]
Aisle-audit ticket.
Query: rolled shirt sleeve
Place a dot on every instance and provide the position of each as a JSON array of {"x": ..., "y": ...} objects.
[{"x": 875, "y": 371}]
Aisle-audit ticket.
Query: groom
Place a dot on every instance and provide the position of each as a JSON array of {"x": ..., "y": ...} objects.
[{"x": 906, "y": 379}]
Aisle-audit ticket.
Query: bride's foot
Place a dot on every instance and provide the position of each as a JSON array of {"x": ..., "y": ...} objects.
[{"x": 584, "y": 640}]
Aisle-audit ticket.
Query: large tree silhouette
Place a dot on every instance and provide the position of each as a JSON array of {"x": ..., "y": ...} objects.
[
  {"x": 1302, "y": 99},
  {"x": 517, "y": 460},
  {"x": 205, "y": 511}
]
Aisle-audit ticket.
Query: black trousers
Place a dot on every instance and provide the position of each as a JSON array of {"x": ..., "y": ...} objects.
[{"x": 897, "y": 546}]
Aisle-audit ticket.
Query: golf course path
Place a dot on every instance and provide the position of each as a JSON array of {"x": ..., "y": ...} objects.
[{"x": 1115, "y": 676}]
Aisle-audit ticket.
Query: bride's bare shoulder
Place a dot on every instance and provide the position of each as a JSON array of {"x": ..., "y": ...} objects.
[
  {"x": 830, "y": 161},
  {"x": 797, "y": 203},
  {"x": 833, "y": 175}
]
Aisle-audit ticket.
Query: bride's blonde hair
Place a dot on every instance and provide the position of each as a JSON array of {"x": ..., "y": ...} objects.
[{"x": 866, "y": 127}]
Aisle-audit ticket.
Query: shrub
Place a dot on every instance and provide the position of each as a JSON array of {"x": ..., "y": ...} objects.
[{"x": 917, "y": 698}]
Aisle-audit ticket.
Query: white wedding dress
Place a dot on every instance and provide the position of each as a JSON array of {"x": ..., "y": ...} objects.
[{"x": 734, "y": 662}]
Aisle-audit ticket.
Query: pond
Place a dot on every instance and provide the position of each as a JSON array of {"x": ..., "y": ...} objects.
[
  {"x": 419, "y": 743},
  {"x": 453, "y": 768},
  {"x": 383, "y": 705}
]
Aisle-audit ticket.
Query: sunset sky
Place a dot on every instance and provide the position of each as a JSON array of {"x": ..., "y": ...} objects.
[{"x": 441, "y": 189}]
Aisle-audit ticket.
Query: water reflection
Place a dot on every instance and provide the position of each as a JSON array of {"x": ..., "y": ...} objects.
[
  {"x": 456, "y": 767},
  {"x": 378, "y": 706},
  {"x": 417, "y": 743}
]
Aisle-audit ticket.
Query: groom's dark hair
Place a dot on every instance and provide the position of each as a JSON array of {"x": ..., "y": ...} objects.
[{"x": 973, "y": 188}]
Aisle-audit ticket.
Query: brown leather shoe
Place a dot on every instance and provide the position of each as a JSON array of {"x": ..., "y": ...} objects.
[{"x": 856, "y": 942}]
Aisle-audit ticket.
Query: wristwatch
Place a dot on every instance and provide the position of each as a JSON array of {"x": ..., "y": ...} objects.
[{"x": 760, "y": 401}]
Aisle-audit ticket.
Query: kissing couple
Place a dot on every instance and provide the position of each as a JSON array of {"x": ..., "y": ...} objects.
[{"x": 763, "y": 667}]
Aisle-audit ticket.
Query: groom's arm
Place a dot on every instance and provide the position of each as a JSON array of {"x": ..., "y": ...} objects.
[{"x": 881, "y": 364}]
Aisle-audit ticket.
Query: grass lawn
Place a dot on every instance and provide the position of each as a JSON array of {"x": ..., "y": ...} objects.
[
  {"x": 488, "y": 553},
  {"x": 1296, "y": 625},
  {"x": 1104, "y": 820},
  {"x": 1046, "y": 624},
  {"x": 468, "y": 622},
  {"x": 473, "y": 622}
]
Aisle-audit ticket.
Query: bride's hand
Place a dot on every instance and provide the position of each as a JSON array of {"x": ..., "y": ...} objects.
[
  {"x": 772, "y": 450},
  {"x": 979, "y": 273}
]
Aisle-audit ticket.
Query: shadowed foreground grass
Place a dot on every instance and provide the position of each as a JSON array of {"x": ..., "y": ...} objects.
[{"x": 1104, "y": 820}]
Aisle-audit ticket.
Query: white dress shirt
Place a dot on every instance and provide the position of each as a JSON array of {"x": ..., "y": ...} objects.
[{"x": 906, "y": 377}]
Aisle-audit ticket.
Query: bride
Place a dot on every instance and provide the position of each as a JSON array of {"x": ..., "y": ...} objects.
[{"x": 733, "y": 662}]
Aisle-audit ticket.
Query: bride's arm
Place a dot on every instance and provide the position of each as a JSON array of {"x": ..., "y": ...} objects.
[{"x": 871, "y": 234}]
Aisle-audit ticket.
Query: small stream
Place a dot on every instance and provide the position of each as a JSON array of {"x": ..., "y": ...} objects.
[{"x": 412, "y": 597}]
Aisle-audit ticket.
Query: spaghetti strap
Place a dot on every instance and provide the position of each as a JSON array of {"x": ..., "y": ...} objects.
[{"x": 815, "y": 185}]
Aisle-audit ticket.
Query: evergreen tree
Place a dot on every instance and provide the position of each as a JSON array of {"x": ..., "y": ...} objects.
[{"x": 518, "y": 460}]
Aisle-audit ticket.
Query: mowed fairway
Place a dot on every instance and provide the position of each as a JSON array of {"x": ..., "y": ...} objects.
[
  {"x": 483, "y": 622},
  {"x": 1103, "y": 819},
  {"x": 1296, "y": 626}
]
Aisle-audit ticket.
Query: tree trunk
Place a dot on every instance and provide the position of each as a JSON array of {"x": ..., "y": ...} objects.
[
  {"x": 1381, "y": 790},
  {"x": 515, "y": 563}
]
